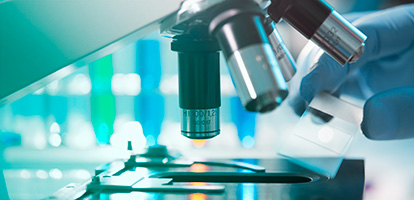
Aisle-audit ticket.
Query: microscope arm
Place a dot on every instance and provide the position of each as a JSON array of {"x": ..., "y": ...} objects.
[{"x": 42, "y": 41}]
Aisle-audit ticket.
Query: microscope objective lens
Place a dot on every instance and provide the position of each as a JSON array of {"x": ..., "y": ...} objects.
[{"x": 200, "y": 123}]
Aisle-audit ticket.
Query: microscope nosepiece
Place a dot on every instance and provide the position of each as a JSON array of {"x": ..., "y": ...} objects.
[{"x": 256, "y": 74}]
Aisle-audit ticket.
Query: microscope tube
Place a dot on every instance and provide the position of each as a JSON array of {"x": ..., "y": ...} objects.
[
  {"x": 319, "y": 22},
  {"x": 340, "y": 39}
]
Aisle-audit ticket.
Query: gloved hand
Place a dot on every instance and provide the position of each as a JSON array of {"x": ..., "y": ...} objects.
[{"x": 387, "y": 65}]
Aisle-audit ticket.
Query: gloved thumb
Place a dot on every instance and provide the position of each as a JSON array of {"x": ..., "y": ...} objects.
[{"x": 389, "y": 115}]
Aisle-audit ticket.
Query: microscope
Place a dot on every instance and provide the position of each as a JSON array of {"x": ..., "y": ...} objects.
[
  {"x": 69, "y": 35},
  {"x": 258, "y": 60},
  {"x": 243, "y": 30}
]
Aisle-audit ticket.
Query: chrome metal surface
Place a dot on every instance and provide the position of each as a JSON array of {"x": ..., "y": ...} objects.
[
  {"x": 190, "y": 8},
  {"x": 340, "y": 39},
  {"x": 200, "y": 123},
  {"x": 257, "y": 78},
  {"x": 241, "y": 165},
  {"x": 283, "y": 56},
  {"x": 177, "y": 23}
]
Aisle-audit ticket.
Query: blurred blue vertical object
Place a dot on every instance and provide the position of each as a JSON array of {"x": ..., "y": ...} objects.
[
  {"x": 29, "y": 114},
  {"x": 57, "y": 108},
  {"x": 245, "y": 122},
  {"x": 30, "y": 105},
  {"x": 3, "y": 189},
  {"x": 6, "y": 139},
  {"x": 79, "y": 104},
  {"x": 148, "y": 64},
  {"x": 102, "y": 99},
  {"x": 7, "y": 135},
  {"x": 149, "y": 104}
]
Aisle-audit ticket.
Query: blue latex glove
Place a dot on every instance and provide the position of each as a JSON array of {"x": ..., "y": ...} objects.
[{"x": 387, "y": 65}]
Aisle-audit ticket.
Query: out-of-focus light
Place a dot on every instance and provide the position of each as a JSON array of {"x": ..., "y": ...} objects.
[
  {"x": 227, "y": 87},
  {"x": 42, "y": 174},
  {"x": 198, "y": 196},
  {"x": 198, "y": 168},
  {"x": 116, "y": 84},
  {"x": 120, "y": 120},
  {"x": 249, "y": 191},
  {"x": 54, "y": 128},
  {"x": 150, "y": 140},
  {"x": 132, "y": 83},
  {"x": 80, "y": 133},
  {"x": 248, "y": 142},
  {"x": 55, "y": 173},
  {"x": 169, "y": 85},
  {"x": 80, "y": 85},
  {"x": 130, "y": 131},
  {"x": 25, "y": 174},
  {"x": 103, "y": 129},
  {"x": 53, "y": 87},
  {"x": 325, "y": 134},
  {"x": 39, "y": 91},
  {"x": 126, "y": 84},
  {"x": 279, "y": 100},
  {"x": 199, "y": 143},
  {"x": 82, "y": 174},
  {"x": 39, "y": 141},
  {"x": 55, "y": 140}
]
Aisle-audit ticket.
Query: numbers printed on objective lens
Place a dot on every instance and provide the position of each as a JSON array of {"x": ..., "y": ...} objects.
[
  {"x": 279, "y": 52},
  {"x": 332, "y": 37},
  {"x": 201, "y": 122},
  {"x": 199, "y": 113}
]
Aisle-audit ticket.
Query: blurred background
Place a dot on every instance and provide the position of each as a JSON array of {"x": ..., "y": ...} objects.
[{"x": 60, "y": 133}]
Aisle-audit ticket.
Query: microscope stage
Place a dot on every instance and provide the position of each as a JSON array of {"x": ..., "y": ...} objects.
[{"x": 217, "y": 179}]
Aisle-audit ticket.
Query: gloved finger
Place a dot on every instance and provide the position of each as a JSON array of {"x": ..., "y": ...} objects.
[
  {"x": 390, "y": 72},
  {"x": 309, "y": 81},
  {"x": 389, "y": 32},
  {"x": 297, "y": 103},
  {"x": 356, "y": 15},
  {"x": 389, "y": 115},
  {"x": 307, "y": 57},
  {"x": 381, "y": 75},
  {"x": 327, "y": 75},
  {"x": 379, "y": 27}
]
